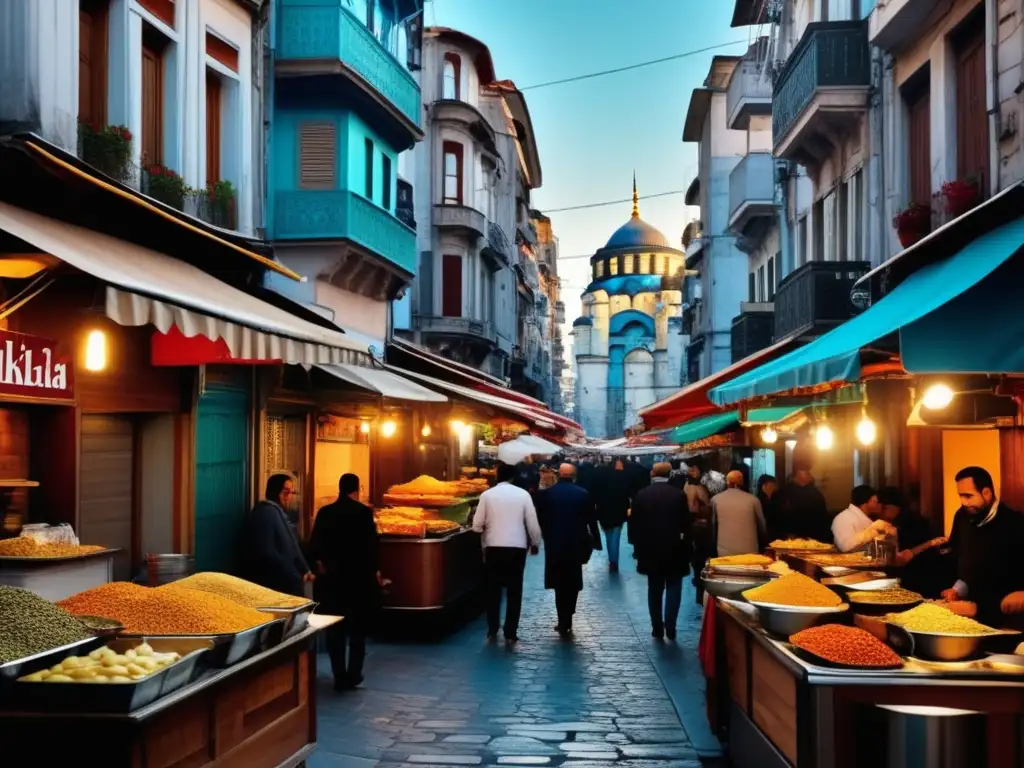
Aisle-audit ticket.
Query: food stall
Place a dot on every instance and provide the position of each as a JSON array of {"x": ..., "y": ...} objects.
[
  {"x": 50, "y": 562},
  {"x": 192, "y": 674},
  {"x": 799, "y": 672}
]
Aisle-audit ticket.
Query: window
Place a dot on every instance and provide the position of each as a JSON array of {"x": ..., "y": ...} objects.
[
  {"x": 452, "y": 74},
  {"x": 452, "y": 173},
  {"x": 92, "y": 63},
  {"x": 385, "y": 190},
  {"x": 843, "y": 222},
  {"x": 317, "y": 155},
  {"x": 917, "y": 97},
  {"x": 771, "y": 277},
  {"x": 751, "y": 287},
  {"x": 628, "y": 262},
  {"x": 451, "y": 285},
  {"x": 613, "y": 265},
  {"x": 162, "y": 9},
  {"x": 803, "y": 244},
  {"x": 213, "y": 127},
  {"x": 972, "y": 156},
  {"x": 371, "y": 16},
  {"x": 855, "y": 214},
  {"x": 221, "y": 51},
  {"x": 762, "y": 288},
  {"x": 368, "y": 143},
  {"x": 153, "y": 45}
]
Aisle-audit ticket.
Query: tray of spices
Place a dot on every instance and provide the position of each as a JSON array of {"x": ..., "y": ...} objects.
[
  {"x": 837, "y": 645},
  {"x": 174, "y": 611},
  {"x": 119, "y": 677},
  {"x": 879, "y": 601}
]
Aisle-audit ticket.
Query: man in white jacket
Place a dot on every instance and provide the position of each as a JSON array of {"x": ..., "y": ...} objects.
[
  {"x": 507, "y": 520},
  {"x": 860, "y": 522}
]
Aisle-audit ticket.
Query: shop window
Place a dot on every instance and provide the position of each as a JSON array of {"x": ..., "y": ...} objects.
[
  {"x": 452, "y": 75},
  {"x": 385, "y": 190},
  {"x": 317, "y": 155},
  {"x": 451, "y": 285},
  {"x": 368, "y": 144},
  {"x": 452, "y": 173},
  {"x": 153, "y": 47},
  {"x": 213, "y": 126},
  {"x": 92, "y": 62}
]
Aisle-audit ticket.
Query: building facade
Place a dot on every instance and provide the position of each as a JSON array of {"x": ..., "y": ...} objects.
[
  {"x": 552, "y": 311},
  {"x": 477, "y": 274},
  {"x": 628, "y": 346},
  {"x": 344, "y": 108}
]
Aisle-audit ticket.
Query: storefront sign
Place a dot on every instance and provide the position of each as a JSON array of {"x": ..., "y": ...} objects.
[{"x": 31, "y": 368}]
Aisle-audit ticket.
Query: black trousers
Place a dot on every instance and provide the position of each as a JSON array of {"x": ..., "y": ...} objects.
[
  {"x": 565, "y": 604},
  {"x": 504, "y": 568},
  {"x": 348, "y": 635}
]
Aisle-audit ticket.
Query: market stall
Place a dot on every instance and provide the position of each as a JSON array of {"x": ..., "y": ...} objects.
[
  {"x": 799, "y": 672},
  {"x": 192, "y": 674}
]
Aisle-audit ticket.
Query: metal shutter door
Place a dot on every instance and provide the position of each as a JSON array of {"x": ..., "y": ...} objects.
[{"x": 106, "y": 476}]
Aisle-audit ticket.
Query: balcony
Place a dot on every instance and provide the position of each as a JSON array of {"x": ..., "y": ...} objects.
[
  {"x": 752, "y": 330},
  {"x": 461, "y": 219},
  {"x": 749, "y": 94},
  {"x": 455, "y": 326},
  {"x": 339, "y": 214},
  {"x": 498, "y": 249},
  {"x": 752, "y": 194},
  {"x": 815, "y": 298},
  {"x": 559, "y": 312},
  {"x": 323, "y": 39},
  {"x": 822, "y": 92},
  {"x": 896, "y": 21},
  {"x": 526, "y": 232},
  {"x": 464, "y": 113},
  {"x": 404, "y": 204}
]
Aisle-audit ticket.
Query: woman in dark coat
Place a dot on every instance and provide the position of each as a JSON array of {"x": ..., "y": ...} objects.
[
  {"x": 346, "y": 549},
  {"x": 568, "y": 521},
  {"x": 612, "y": 497}
]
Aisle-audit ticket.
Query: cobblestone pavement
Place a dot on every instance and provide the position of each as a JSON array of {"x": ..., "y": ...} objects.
[{"x": 612, "y": 696}]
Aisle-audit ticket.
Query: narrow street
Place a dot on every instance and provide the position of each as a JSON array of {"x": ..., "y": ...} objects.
[{"x": 611, "y": 696}]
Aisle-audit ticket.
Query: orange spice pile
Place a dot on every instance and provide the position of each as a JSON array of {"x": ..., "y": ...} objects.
[
  {"x": 849, "y": 646},
  {"x": 166, "y": 610}
]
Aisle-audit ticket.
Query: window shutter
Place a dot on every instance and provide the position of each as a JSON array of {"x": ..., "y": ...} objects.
[{"x": 318, "y": 156}]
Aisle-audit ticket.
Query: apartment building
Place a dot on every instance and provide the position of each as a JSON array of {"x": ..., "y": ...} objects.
[
  {"x": 550, "y": 311},
  {"x": 344, "y": 109},
  {"x": 474, "y": 173},
  {"x": 160, "y": 95}
]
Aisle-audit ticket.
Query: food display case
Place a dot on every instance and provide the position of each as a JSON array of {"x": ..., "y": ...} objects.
[{"x": 58, "y": 577}]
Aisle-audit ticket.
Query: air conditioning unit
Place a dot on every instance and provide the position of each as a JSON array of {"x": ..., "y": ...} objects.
[{"x": 970, "y": 410}]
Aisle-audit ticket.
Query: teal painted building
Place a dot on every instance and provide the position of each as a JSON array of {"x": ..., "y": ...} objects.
[{"x": 342, "y": 108}]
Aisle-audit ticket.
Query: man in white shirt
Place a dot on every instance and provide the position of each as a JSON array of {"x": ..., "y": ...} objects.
[
  {"x": 860, "y": 522},
  {"x": 507, "y": 520}
]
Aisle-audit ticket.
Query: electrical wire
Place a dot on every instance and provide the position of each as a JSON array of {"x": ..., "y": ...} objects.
[
  {"x": 612, "y": 202},
  {"x": 629, "y": 67}
]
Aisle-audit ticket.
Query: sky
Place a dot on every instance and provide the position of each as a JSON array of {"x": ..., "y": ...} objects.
[{"x": 592, "y": 134}]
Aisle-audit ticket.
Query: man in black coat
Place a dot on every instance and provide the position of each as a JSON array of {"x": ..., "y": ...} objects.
[
  {"x": 271, "y": 555},
  {"x": 661, "y": 524},
  {"x": 612, "y": 494},
  {"x": 346, "y": 550},
  {"x": 568, "y": 520}
]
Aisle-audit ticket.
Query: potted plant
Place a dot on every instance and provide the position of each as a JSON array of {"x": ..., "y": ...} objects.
[
  {"x": 913, "y": 223},
  {"x": 220, "y": 202},
  {"x": 961, "y": 195},
  {"x": 165, "y": 185},
  {"x": 108, "y": 149}
]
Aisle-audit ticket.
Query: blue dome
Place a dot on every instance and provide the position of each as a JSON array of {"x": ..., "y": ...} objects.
[
  {"x": 582, "y": 321},
  {"x": 637, "y": 233}
]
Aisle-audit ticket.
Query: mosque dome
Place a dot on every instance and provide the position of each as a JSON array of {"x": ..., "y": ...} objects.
[{"x": 636, "y": 233}]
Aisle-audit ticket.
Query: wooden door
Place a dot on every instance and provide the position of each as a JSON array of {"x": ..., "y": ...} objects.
[
  {"x": 919, "y": 142},
  {"x": 213, "y": 132},
  {"x": 152, "y": 106},
  {"x": 451, "y": 286},
  {"x": 972, "y": 145},
  {"x": 92, "y": 63},
  {"x": 106, "y": 510}
]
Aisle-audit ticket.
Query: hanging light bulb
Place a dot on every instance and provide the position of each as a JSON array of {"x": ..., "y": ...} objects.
[
  {"x": 769, "y": 435},
  {"x": 425, "y": 431},
  {"x": 937, "y": 397},
  {"x": 365, "y": 427},
  {"x": 823, "y": 437},
  {"x": 388, "y": 428},
  {"x": 457, "y": 426},
  {"x": 867, "y": 432},
  {"x": 96, "y": 351}
]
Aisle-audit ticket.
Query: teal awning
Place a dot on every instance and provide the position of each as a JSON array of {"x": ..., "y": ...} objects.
[
  {"x": 703, "y": 427},
  {"x": 761, "y": 417},
  {"x": 835, "y": 356}
]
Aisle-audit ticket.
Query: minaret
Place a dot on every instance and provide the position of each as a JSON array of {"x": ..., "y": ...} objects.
[{"x": 636, "y": 199}]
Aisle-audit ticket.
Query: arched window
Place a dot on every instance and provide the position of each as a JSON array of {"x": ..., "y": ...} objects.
[
  {"x": 452, "y": 173},
  {"x": 613, "y": 265},
  {"x": 452, "y": 71}
]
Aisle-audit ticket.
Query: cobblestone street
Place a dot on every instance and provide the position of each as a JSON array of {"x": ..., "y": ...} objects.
[{"x": 611, "y": 696}]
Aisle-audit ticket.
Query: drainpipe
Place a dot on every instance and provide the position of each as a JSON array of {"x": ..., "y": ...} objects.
[
  {"x": 992, "y": 75},
  {"x": 782, "y": 168}
]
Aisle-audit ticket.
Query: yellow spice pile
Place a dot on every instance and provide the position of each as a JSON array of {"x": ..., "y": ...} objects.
[
  {"x": 240, "y": 591},
  {"x": 24, "y": 546},
  {"x": 167, "y": 610},
  {"x": 929, "y": 617},
  {"x": 794, "y": 589}
]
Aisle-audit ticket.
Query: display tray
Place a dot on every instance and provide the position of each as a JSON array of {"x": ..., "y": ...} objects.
[
  {"x": 295, "y": 619},
  {"x": 229, "y": 649},
  {"x": 12, "y": 670},
  {"x": 117, "y": 698},
  {"x": 6, "y": 559}
]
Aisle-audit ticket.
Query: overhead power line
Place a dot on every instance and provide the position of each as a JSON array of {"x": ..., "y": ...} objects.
[
  {"x": 629, "y": 67},
  {"x": 612, "y": 202}
]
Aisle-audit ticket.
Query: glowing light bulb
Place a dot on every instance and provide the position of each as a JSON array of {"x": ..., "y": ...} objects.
[
  {"x": 769, "y": 435},
  {"x": 425, "y": 431},
  {"x": 867, "y": 432},
  {"x": 388, "y": 428},
  {"x": 457, "y": 426},
  {"x": 824, "y": 438},
  {"x": 937, "y": 397},
  {"x": 365, "y": 427},
  {"x": 96, "y": 351}
]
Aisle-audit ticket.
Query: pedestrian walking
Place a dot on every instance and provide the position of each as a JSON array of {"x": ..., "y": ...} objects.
[
  {"x": 345, "y": 550},
  {"x": 737, "y": 520},
  {"x": 568, "y": 519},
  {"x": 698, "y": 501},
  {"x": 661, "y": 527},
  {"x": 612, "y": 499},
  {"x": 271, "y": 554},
  {"x": 507, "y": 521}
]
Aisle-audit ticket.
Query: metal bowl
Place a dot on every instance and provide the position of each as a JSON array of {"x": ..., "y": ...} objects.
[
  {"x": 946, "y": 647},
  {"x": 787, "y": 620},
  {"x": 721, "y": 585}
]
